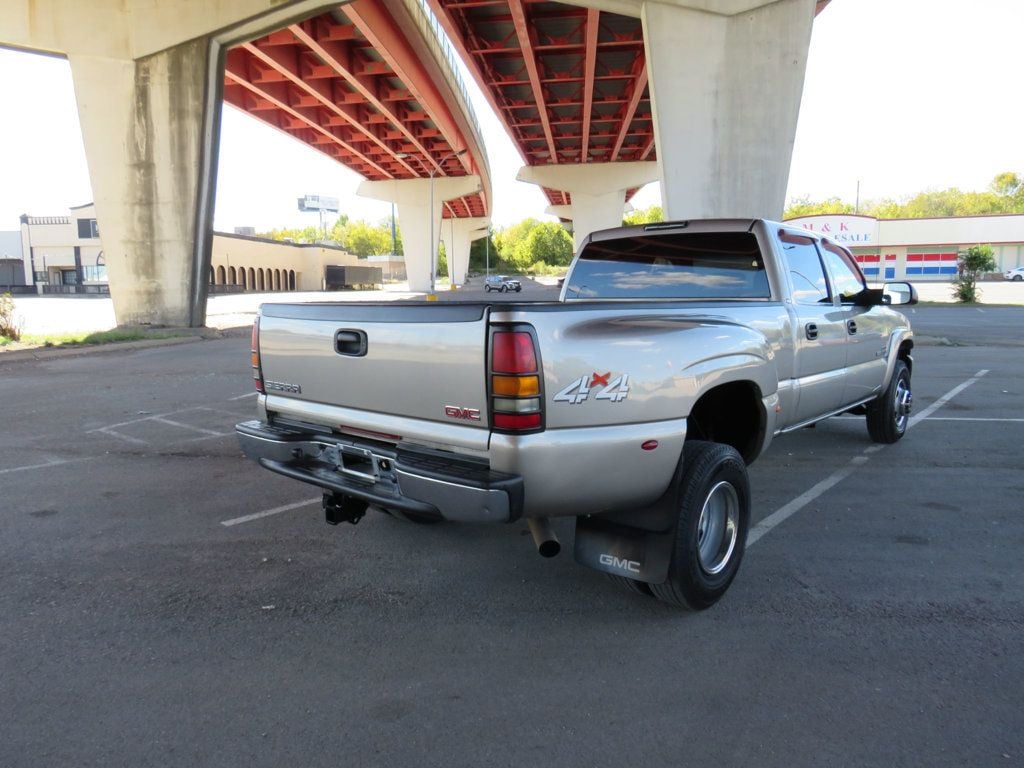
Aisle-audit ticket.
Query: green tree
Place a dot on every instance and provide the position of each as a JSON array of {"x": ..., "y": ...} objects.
[
  {"x": 1004, "y": 195},
  {"x": 548, "y": 242},
  {"x": 508, "y": 242},
  {"x": 973, "y": 262},
  {"x": 804, "y": 206},
  {"x": 482, "y": 252},
  {"x": 10, "y": 326},
  {"x": 649, "y": 215},
  {"x": 1006, "y": 184},
  {"x": 364, "y": 239}
]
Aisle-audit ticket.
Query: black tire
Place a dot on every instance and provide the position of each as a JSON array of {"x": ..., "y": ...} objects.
[
  {"x": 889, "y": 415},
  {"x": 1017, "y": 278},
  {"x": 504, "y": 289},
  {"x": 487, "y": 288},
  {"x": 631, "y": 585},
  {"x": 711, "y": 534}
]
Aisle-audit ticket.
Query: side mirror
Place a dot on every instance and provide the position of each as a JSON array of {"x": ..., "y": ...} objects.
[{"x": 899, "y": 294}]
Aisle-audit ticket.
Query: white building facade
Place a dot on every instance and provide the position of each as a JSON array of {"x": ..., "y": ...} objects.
[
  {"x": 920, "y": 249},
  {"x": 62, "y": 254}
]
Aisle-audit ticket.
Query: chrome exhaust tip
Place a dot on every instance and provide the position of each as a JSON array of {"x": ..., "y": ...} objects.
[{"x": 544, "y": 536}]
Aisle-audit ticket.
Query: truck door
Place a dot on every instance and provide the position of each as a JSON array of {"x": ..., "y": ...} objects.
[
  {"x": 820, "y": 332},
  {"x": 865, "y": 333}
]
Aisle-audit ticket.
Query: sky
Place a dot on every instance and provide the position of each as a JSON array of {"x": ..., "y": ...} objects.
[{"x": 900, "y": 96}]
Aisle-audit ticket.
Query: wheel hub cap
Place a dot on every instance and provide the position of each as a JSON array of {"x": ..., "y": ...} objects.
[
  {"x": 904, "y": 403},
  {"x": 718, "y": 528}
]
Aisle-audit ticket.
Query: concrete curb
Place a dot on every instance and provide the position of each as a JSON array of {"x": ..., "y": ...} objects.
[{"x": 37, "y": 354}]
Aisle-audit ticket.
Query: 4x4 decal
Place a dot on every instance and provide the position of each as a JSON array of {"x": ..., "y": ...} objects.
[{"x": 616, "y": 390}]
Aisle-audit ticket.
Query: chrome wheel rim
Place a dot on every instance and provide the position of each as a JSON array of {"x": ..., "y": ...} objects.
[
  {"x": 903, "y": 401},
  {"x": 718, "y": 528}
]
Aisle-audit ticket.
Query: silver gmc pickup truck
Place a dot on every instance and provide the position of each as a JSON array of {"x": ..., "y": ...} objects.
[{"x": 634, "y": 403}]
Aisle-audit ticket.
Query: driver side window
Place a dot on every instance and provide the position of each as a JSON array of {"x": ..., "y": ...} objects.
[{"x": 845, "y": 276}]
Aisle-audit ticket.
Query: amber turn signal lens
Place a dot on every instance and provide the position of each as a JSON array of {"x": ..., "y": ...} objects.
[{"x": 515, "y": 386}]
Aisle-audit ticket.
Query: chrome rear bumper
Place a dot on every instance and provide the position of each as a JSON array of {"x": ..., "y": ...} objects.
[{"x": 431, "y": 483}]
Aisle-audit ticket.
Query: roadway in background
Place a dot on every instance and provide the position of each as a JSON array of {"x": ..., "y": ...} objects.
[
  {"x": 57, "y": 314},
  {"x": 881, "y": 624}
]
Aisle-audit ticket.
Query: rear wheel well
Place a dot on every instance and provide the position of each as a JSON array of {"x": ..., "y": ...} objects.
[{"x": 732, "y": 414}]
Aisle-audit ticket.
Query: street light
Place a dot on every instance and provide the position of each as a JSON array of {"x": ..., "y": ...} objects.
[{"x": 433, "y": 241}]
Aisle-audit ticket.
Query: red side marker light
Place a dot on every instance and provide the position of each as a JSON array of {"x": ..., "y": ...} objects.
[{"x": 650, "y": 445}]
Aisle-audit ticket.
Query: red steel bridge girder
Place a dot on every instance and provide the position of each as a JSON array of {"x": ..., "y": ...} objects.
[{"x": 353, "y": 85}]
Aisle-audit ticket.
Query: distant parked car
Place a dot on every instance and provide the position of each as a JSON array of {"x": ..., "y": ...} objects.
[
  {"x": 502, "y": 283},
  {"x": 1016, "y": 274}
]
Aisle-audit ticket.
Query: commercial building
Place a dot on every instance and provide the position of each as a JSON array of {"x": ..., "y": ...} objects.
[
  {"x": 63, "y": 254},
  {"x": 920, "y": 249},
  {"x": 11, "y": 272}
]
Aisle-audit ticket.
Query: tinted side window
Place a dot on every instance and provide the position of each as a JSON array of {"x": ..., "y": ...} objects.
[
  {"x": 805, "y": 270},
  {"x": 845, "y": 276}
]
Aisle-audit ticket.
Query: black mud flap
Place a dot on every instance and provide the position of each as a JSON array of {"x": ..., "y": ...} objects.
[{"x": 623, "y": 550}]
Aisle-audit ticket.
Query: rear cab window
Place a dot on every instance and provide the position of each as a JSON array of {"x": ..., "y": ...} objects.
[{"x": 671, "y": 265}]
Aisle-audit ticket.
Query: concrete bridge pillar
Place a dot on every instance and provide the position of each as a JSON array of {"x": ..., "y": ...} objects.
[
  {"x": 142, "y": 127},
  {"x": 725, "y": 92},
  {"x": 458, "y": 235},
  {"x": 413, "y": 200},
  {"x": 598, "y": 190}
]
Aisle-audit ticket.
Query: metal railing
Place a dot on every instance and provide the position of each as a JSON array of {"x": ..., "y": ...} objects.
[{"x": 434, "y": 33}]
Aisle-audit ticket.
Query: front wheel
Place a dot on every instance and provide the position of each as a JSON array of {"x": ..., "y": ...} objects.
[
  {"x": 504, "y": 289},
  {"x": 1017, "y": 278},
  {"x": 711, "y": 534},
  {"x": 889, "y": 415}
]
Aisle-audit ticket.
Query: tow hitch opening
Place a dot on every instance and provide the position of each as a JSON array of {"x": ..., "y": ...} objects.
[{"x": 339, "y": 508}]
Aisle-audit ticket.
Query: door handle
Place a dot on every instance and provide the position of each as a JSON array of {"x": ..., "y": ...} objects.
[
  {"x": 811, "y": 331},
  {"x": 851, "y": 327},
  {"x": 351, "y": 343}
]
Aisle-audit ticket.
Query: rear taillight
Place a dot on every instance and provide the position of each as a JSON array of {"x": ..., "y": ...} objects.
[
  {"x": 515, "y": 379},
  {"x": 257, "y": 370}
]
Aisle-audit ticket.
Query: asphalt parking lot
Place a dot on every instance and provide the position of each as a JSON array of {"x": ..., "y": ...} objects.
[{"x": 878, "y": 618}]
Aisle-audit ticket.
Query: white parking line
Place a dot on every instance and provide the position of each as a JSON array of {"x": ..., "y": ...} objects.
[
  {"x": 946, "y": 398},
  {"x": 50, "y": 463},
  {"x": 186, "y": 426},
  {"x": 786, "y": 511},
  {"x": 269, "y": 512},
  {"x": 113, "y": 433},
  {"x": 242, "y": 397},
  {"x": 969, "y": 418}
]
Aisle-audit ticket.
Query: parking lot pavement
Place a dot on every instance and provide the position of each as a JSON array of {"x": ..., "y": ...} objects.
[{"x": 877, "y": 621}]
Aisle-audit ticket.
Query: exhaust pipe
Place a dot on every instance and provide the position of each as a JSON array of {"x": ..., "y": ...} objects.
[{"x": 543, "y": 536}]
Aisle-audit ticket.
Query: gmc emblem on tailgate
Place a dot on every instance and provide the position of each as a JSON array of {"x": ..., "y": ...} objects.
[{"x": 458, "y": 412}]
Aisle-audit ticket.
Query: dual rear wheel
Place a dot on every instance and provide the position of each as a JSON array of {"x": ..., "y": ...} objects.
[{"x": 713, "y": 508}]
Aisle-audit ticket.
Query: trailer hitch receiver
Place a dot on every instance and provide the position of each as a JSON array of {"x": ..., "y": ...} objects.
[{"x": 339, "y": 508}]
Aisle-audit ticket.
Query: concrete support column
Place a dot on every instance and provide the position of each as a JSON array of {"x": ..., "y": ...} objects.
[
  {"x": 598, "y": 191},
  {"x": 725, "y": 92},
  {"x": 458, "y": 235},
  {"x": 412, "y": 198},
  {"x": 143, "y": 130}
]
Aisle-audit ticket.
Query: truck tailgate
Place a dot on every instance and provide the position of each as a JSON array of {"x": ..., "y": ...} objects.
[{"x": 412, "y": 360}]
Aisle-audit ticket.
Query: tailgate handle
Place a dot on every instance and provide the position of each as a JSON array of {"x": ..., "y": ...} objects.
[{"x": 350, "y": 342}]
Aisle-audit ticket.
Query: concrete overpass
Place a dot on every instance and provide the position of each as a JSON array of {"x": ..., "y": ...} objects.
[
  {"x": 149, "y": 77},
  {"x": 599, "y": 96},
  {"x": 602, "y": 96}
]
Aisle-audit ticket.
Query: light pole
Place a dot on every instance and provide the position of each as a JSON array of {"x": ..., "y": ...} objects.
[{"x": 433, "y": 240}]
